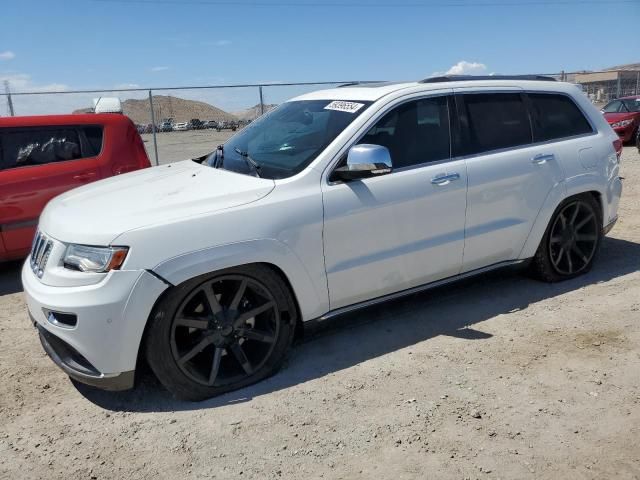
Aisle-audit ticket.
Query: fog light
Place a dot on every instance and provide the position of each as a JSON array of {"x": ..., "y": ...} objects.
[{"x": 59, "y": 319}]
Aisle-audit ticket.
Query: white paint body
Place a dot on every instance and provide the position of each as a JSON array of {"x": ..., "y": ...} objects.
[{"x": 338, "y": 244}]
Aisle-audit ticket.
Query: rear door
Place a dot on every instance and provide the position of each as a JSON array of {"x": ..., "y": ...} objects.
[
  {"x": 38, "y": 163},
  {"x": 509, "y": 177}
]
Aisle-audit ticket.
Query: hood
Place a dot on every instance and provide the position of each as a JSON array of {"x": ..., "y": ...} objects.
[
  {"x": 618, "y": 117},
  {"x": 98, "y": 213}
]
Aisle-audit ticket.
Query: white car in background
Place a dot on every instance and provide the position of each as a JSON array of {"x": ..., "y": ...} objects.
[
  {"x": 181, "y": 126},
  {"x": 335, "y": 200}
]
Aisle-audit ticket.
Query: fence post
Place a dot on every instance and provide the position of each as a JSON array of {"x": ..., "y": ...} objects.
[
  {"x": 9, "y": 100},
  {"x": 618, "y": 86},
  {"x": 153, "y": 127},
  {"x": 261, "y": 100}
]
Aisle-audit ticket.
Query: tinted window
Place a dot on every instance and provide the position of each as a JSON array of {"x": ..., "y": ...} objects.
[
  {"x": 494, "y": 121},
  {"x": 94, "y": 140},
  {"x": 36, "y": 146},
  {"x": 415, "y": 133},
  {"x": 556, "y": 116}
]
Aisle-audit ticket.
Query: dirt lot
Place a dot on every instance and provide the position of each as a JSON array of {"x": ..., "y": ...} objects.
[
  {"x": 175, "y": 146},
  {"x": 498, "y": 377}
]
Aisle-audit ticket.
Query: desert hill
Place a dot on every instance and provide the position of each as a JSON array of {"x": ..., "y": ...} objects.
[{"x": 164, "y": 106}]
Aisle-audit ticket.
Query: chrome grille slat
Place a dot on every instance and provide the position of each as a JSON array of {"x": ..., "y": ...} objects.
[
  {"x": 41, "y": 248},
  {"x": 40, "y": 252}
]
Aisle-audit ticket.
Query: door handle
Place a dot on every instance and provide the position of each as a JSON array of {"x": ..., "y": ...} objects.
[
  {"x": 445, "y": 179},
  {"x": 543, "y": 158},
  {"x": 84, "y": 177}
]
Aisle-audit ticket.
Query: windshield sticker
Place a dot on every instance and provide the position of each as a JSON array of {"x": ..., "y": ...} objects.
[{"x": 340, "y": 106}]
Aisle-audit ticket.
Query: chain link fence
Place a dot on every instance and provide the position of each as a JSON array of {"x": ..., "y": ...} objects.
[{"x": 187, "y": 122}]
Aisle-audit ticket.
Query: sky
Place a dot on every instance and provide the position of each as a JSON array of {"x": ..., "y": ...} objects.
[{"x": 82, "y": 44}]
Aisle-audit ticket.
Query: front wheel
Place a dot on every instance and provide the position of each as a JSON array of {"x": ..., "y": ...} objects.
[
  {"x": 221, "y": 331},
  {"x": 571, "y": 242}
]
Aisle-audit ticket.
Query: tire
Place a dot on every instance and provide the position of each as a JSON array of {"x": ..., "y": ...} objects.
[
  {"x": 571, "y": 242},
  {"x": 221, "y": 331}
]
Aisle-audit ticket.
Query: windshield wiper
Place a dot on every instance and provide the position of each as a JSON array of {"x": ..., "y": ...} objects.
[
  {"x": 219, "y": 158},
  {"x": 250, "y": 161}
]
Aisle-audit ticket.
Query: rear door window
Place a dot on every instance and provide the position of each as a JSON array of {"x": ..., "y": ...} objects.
[
  {"x": 38, "y": 146},
  {"x": 556, "y": 116},
  {"x": 493, "y": 121}
]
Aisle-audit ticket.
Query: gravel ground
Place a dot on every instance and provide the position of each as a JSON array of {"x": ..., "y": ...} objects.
[
  {"x": 496, "y": 377},
  {"x": 176, "y": 146}
]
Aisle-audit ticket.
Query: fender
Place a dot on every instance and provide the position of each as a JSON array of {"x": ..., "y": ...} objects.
[
  {"x": 313, "y": 302},
  {"x": 576, "y": 185},
  {"x": 590, "y": 182}
]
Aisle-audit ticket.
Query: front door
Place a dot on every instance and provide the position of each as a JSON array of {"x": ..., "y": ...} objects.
[{"x": 397, "y": 231}]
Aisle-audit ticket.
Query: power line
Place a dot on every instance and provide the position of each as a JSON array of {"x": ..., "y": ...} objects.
[
  {"x": 192, "y": 87},
  {"x": 347, "y": 4}
]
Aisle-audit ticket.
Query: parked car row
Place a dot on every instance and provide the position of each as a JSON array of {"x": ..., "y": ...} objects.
[{"x": 193, "y": 124}]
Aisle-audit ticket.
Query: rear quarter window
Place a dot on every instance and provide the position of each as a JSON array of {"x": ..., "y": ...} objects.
[{"x": 556, "y": 116}]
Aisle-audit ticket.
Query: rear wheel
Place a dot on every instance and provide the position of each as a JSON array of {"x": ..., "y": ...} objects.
[
  {"x": 221, "y": 332},
  {"x": 571, "y": 242}
]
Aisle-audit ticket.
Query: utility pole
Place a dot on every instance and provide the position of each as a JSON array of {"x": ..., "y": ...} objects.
[{"x": 9, "y": 100}]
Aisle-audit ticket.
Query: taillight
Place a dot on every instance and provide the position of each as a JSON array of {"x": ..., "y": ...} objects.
[{"x": 617, "y": 145}]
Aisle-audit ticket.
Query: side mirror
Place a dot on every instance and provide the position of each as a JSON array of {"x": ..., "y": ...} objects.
[{"x": 364, "y": 161}]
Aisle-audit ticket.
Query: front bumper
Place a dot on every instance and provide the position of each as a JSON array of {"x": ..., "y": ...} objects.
[
  {"x": 78, "y": 367},
  {"x": 101, "y": 349}
]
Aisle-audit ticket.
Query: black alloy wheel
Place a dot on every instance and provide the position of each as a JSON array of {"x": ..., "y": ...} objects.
[
  {"x": 224, "y": 330},
  {"x": 221, "y": 331},
  {"x": 571, "y": 242},
  {"x": 574, "y": 238}
]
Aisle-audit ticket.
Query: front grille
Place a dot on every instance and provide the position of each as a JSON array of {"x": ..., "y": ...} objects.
[{"x": 40, "y": 252}]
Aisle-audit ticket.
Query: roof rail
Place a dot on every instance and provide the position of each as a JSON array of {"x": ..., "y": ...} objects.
[
  {"x": 370, "y": 83},
  {"x": 464, "y": 78}
]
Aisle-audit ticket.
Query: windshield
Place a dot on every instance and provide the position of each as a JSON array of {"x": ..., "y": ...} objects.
[{"x": 287, "y": 139}]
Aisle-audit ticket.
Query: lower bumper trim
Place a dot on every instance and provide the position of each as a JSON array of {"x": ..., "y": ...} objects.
[{"x": 78, "y": 368}]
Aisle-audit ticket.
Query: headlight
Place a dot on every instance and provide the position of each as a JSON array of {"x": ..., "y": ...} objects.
[
  {"x": 94, "y": 259},
  {"x": 622, "y": 123}
]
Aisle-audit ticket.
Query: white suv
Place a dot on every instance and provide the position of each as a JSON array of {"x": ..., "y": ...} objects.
[{"x": 335, "y": 200}]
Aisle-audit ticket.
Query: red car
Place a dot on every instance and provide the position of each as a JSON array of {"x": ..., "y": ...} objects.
[
  {"x": 44, "y": 156},
  {"x": 623, "y": 114}
]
